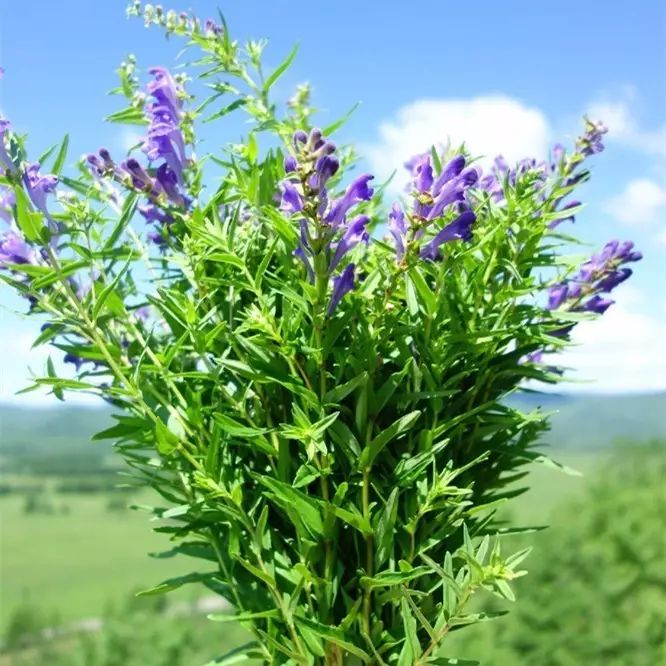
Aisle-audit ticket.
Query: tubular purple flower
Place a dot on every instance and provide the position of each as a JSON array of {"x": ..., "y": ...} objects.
[
  {"x": 565, "y": 217},
  {"x": 301, "y": 254},
  {"x": 355, "y": 233},
  {"x": 451, "y": 169},
  {"x": 15, "y": 250},
  {"x": 450, "y": 193},
  {"x": 597, "y": 304},
  {"x": 557, "y": 294},
  {"x": 357, "y": 191},
  {"x": 612, "y": 280},
  {"x": 398, "y": 229},
  {"x": 342, "y": 284},
  {"x": 459, "y": 229},
  {"x": 138, "y": 175},
  {"x": 290, "y": 164},
  {"x": 423, "y": 175},
  {"x": 299, "y": 139},
  {"x": 152, "y": 213},
  {"x": 39, "y": 186},
  {"x": 292, "y": 200},
  {"x": 325, "y": 168},
  {"x": 167, "y": 180}
]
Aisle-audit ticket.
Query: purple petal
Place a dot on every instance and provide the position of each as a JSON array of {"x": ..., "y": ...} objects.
[
  {"x": 354, "y": 234},
  {"x": 342, "y": 284},
  {"x": 459, "y": 229}
]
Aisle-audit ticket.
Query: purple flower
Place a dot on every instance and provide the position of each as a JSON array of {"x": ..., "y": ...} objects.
[
  {"x": 597, "y": 304},
  {"x": 557, "y": 294},
  {"x": 326, "y": 167},
  {"x": 7, "y": 201},
  {"x": 302, "y": 255},
  {"x": 452, "y": 169},
  {"x": 292, "y": 200},
  {"x": 423, "y": 174},
  {"x": 39, "y": 186},
  {"x": 459, "y": 229},
  {"x": 355, "y": 233},
  {"x": 15, "y": 250},
  {"x": 165, "y": 90},
  {"x": 342, "y": 284},
  {"x": 613, "y": 279},
  {"x": 290, "y": 164},
  {"x": 398, "y": 229},
  {"x": 591, "y": 142},
  {"x": 357, "y": 191},
  {"x": 565, "y": 217}
]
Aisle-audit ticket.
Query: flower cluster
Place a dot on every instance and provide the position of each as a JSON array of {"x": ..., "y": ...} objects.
[
  {"x": 560, "y": 164},
  {"x": 14, "y": 249},
  {"x": 598, "y": 275},
  {"x": 163, "y": 185},
  {"x": 434, "y": 196},
  {"x": 327, "y": 234},
  {"x": 178, "y": 23}
]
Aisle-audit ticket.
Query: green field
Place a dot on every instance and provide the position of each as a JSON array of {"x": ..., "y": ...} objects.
[
  {"x": 71, "y": 564},
  {"x": 78, "y": 559}
]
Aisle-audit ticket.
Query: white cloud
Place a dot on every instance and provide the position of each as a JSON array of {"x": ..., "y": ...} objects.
[
  {"x": 489, "y": 125},
  {"x": 624, "y": 350},
  {"x": 642, "y": 202},
  {"x": 618, "y": 114}
]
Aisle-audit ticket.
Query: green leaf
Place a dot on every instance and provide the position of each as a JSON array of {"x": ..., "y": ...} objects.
[
  {"x": 61, "y": 156},
  {"x": 373, "y": 449},
  {"x": 424, "y": 292},
  {"x": 280, "y": 70},
  {"x": 385, "y": 530},
  {"x": 340, "y": 392},
  {"x": 174, "y": 583},
  {"x": 239, "y": 655},
  {"x": 129, "y": 116},
  {"x": 243, "y": 617},
  {"x": 293, "y": 499},
  {"x": 165, "y": 441},
  {"x": 392, "y": 578},
  {"x": 411, "y": 649},
  {"x": 29, "y": 222},
  {"x": 333, "y": 635}
]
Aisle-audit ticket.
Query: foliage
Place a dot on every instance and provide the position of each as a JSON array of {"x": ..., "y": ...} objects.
[
  {"x": 596, "y": 593},
  {"x": 131, "y": 635},
  {"x": 322, "y": 412}
]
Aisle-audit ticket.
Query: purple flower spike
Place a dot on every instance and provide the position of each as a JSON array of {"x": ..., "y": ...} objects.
[
  {"x": 459, "y": 229},
  {"x": 292, "y": 200},
  {"x": 398, "y": 229},
  {"x": 557, "y": 294},
  {"x": 358, "y": 191},
  {"x": 342, "y": 284},
  {"x": 354, "y": 234}
]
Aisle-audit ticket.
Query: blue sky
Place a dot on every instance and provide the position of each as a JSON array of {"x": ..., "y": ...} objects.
[{"x": 511, "y": 76}]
